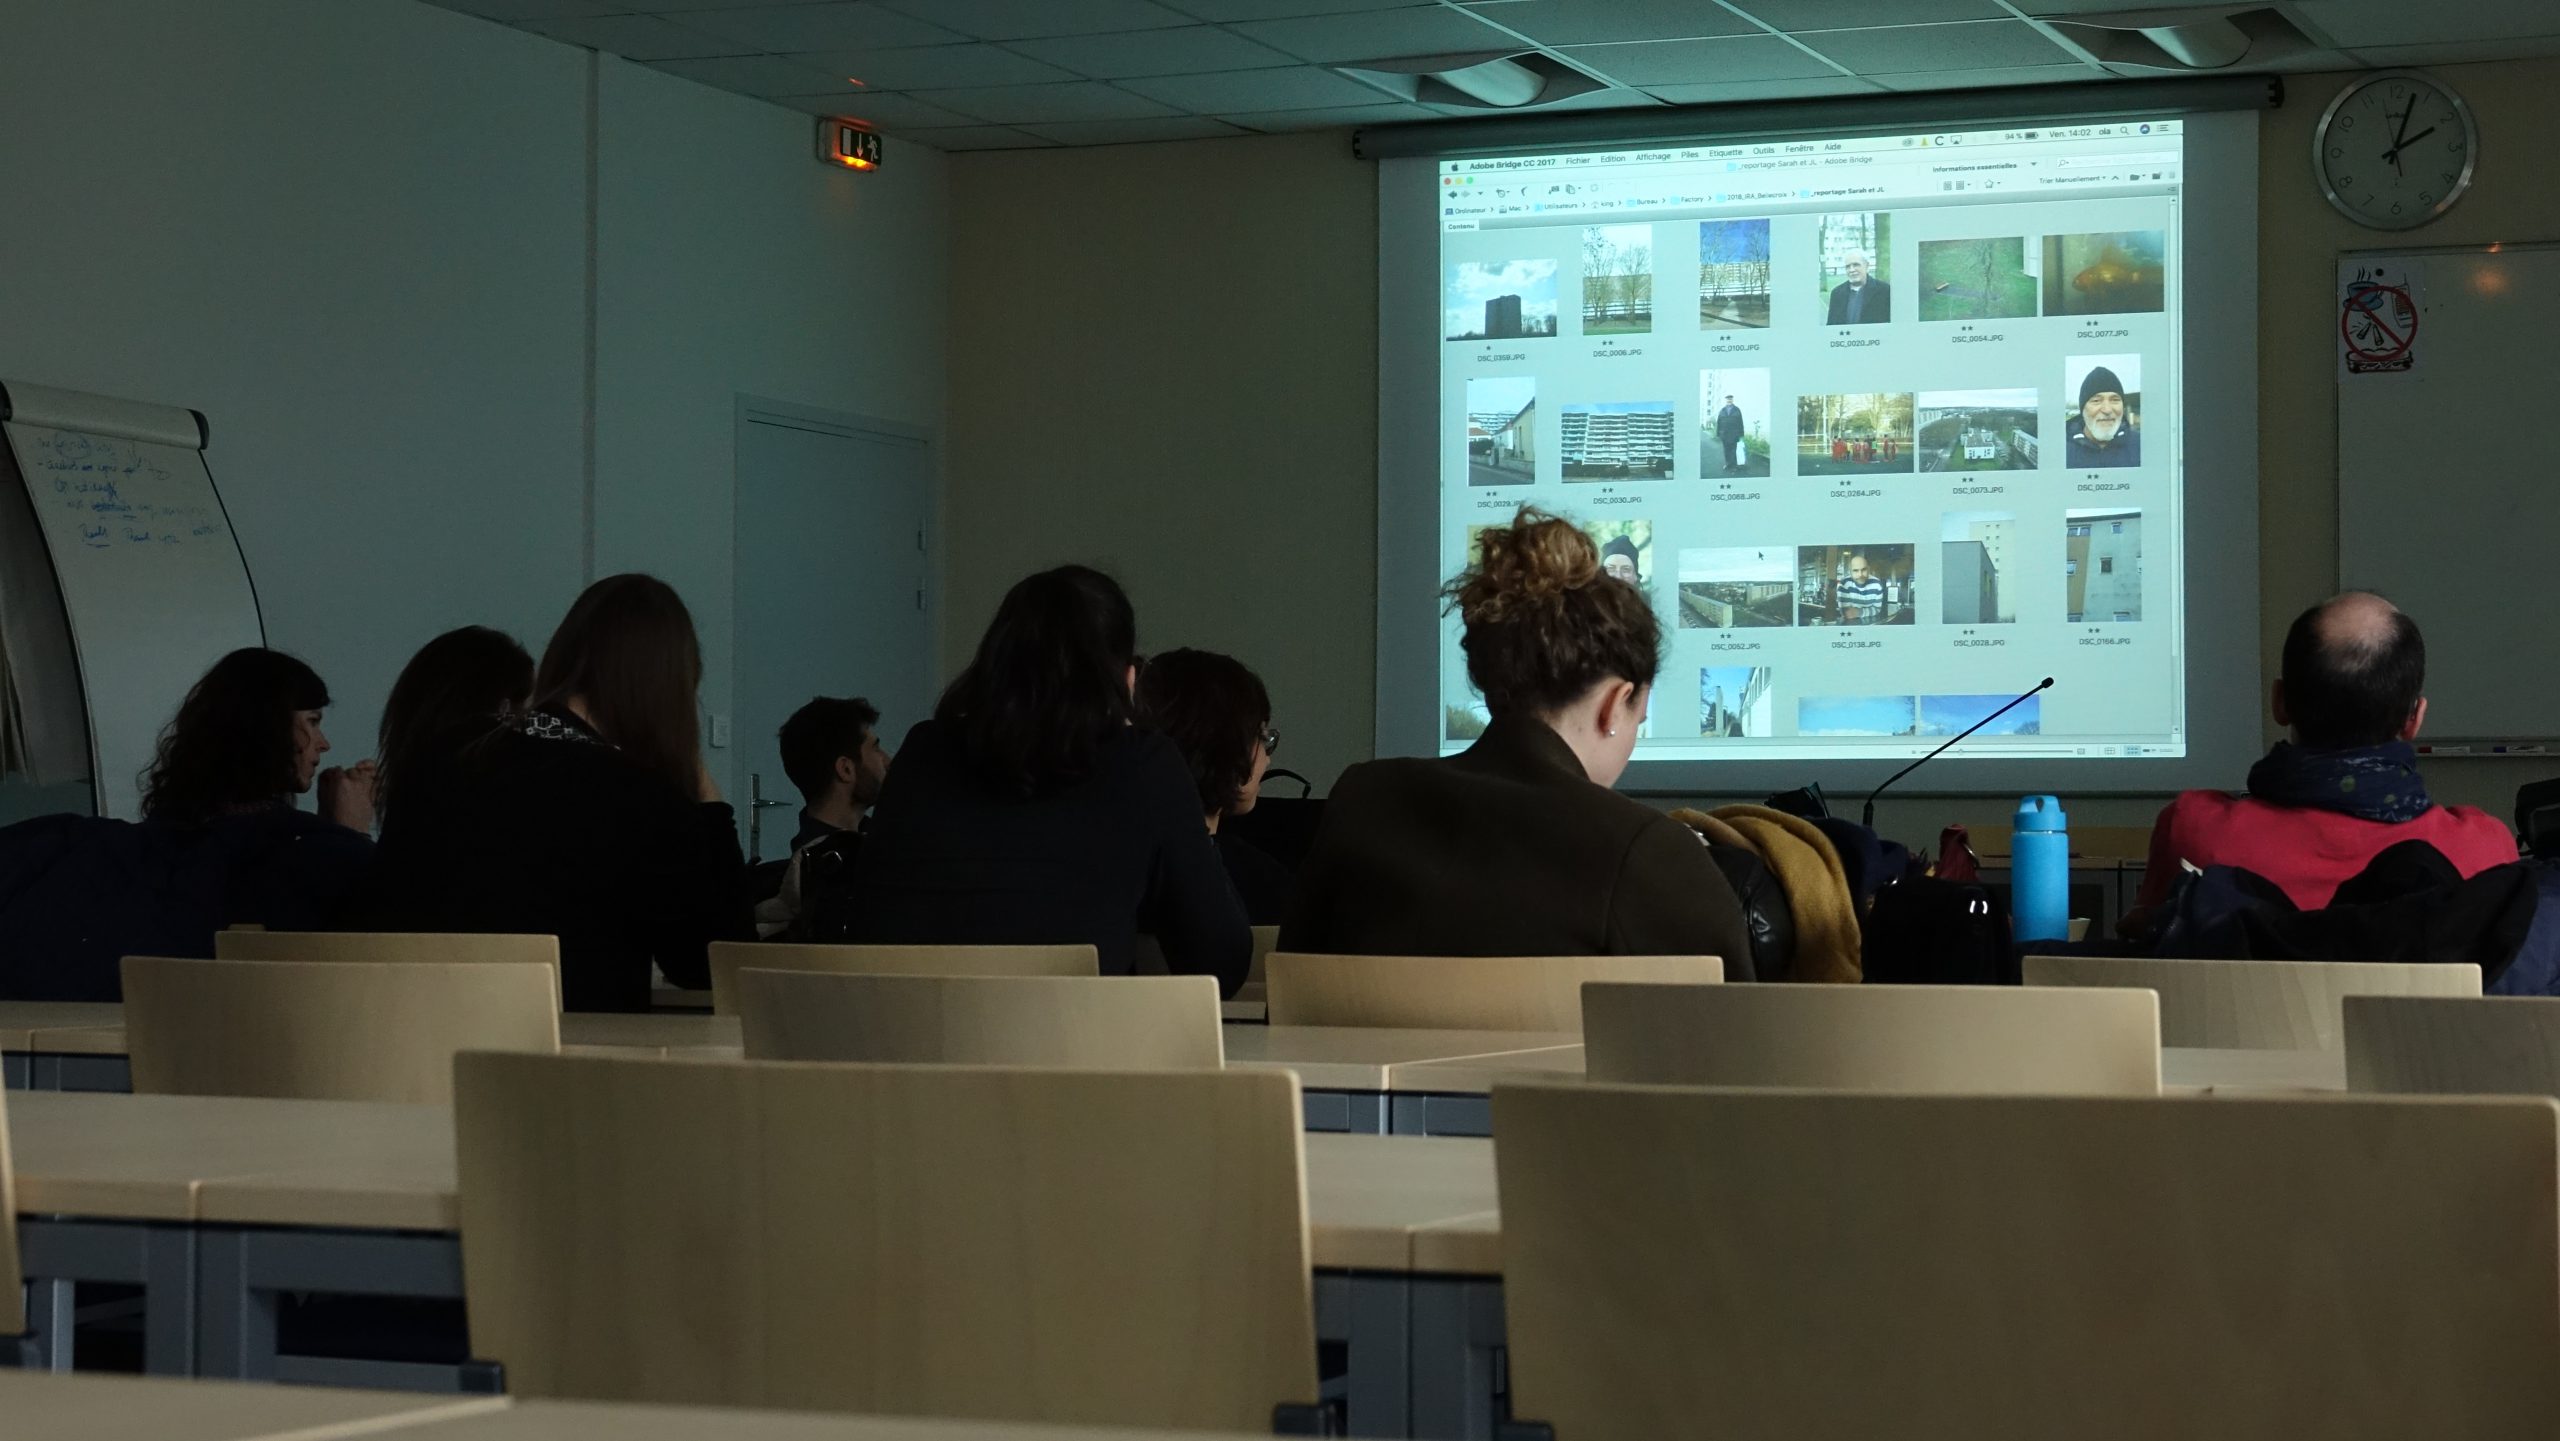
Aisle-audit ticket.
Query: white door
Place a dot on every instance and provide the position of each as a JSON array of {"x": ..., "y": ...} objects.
[{"x": 831, "y": 593}]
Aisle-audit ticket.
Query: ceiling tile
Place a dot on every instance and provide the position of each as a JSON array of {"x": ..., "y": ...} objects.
[
  {"x": 2458, "y": 52},
  {"x": 1382, "y": 35},
  {"x": 1600, "y": 22},
  {"x": 1231, "y": 10},
  {"x": 1127, "y": 132},
  {"x": 1859, "y": 14},
  {"x": 2360, "y": 24},
  {"x": 635, "y": 37},
  {"x": 1726, "y": 92},
  {"x": 514, "y": 10},
  {"x": 660, "y": 7},
  {"x": 888, "y": 112},
  {"x": 1038, "y": 104},
  {"x": 1029, "y": 19},
  {"x": 1697, "y": 62},
  {"x": 1965, "y": 45},
  {"x": 1973, "y": 79},
  {"x": 979, "y": 137},
  {"x": 1188, "y": 50},
  {"x": 936, "y": 67},
  {"x": 1620, "y": 99},
  {"x": 784, "y": 29},
  {"x": 751, "y": 74},
  {"x": 1331, "y": 117},
  {"x": 1299, "y": 87}
]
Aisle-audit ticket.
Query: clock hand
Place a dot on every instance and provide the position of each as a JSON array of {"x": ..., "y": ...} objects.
[
  {"x": 2393, "y": 154},
  {"x": 2400, "y": 128}
]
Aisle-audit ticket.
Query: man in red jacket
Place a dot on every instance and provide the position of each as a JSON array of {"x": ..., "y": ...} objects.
[{"x": 2322, "y": 805}]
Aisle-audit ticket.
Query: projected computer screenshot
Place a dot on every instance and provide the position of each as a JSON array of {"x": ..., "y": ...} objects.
[{"x": 1887, "y": 428}]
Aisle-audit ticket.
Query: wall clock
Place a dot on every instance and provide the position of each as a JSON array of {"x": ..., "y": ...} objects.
[{"x": 2394, "y": 150}]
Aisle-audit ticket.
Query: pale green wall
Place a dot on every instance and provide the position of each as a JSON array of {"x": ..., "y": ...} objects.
[
  {"x": 356, "y": 233},
  {"x": 1164, "y": 362}
]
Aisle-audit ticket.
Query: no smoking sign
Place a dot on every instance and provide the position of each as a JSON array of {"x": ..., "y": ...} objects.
[{"x": 2377, "y": 324}]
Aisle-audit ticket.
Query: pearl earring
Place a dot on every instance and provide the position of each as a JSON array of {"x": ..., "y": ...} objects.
[{"x": 1613, "y": 732}]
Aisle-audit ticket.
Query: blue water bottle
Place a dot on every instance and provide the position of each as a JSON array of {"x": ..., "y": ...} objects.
[{"x": 2040, "y": 871}]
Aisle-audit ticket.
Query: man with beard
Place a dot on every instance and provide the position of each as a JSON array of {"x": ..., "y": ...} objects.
[
  {"x": 2099, "y": 436},
  {"x": 831, "y": 750}
]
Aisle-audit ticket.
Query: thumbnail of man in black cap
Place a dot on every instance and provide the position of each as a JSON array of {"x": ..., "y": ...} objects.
[{"x": 2099, "y": 435}]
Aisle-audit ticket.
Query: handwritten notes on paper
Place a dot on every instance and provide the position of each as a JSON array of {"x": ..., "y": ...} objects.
[{"x": 116, "y": 494}]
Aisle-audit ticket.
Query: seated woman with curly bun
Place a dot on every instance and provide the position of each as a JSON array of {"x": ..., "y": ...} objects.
[{"x": 1519, "y": 846}]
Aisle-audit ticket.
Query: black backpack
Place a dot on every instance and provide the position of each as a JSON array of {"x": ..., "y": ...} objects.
[{"x": 1925, "y": 931}]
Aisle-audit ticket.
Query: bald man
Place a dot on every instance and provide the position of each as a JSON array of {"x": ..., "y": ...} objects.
[
  {"x": 1862, "y": 299},
  {"x": 2322, "y": 805}
]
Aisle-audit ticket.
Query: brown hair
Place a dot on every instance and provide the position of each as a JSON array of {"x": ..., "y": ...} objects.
[
  {"x": 627, "y": 651},
  {"x": 1544, "y": 622},
  {"x": 1214, "y": 709}
]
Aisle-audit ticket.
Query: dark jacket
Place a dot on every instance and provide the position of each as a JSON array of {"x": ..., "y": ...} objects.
[
  {"x": 1875, "y": 309},
  {"x": 1266, "y": 887},
  {"x": 1507, "y": 850},
  {"x": 2410, "y": 905},
  {"x": 949, "y": 859},
  {"x": 78, "y": 894},
  {"x": 2082, "y": 453},
  {"x": 545, "y": 828}
]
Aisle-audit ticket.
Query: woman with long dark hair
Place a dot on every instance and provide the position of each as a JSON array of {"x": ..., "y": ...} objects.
[
  {"x": 588, "y": 814},
  {"x": 221, "y": 842},
  {"x": 247, "y": 740},
  {"x": 1031, "y": 809},
  {"x": 450, "y": 695}
]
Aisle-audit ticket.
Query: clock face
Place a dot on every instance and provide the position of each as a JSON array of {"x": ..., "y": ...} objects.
[{"x": 2394, "y": 150}]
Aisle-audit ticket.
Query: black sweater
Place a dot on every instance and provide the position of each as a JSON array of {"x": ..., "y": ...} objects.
[
  {"x": 948, "y": 859},
  {"x": 544, "y": 828}
]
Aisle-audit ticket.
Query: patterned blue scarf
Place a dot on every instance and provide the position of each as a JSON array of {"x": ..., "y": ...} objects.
[{"x": 2374, "y": 783}]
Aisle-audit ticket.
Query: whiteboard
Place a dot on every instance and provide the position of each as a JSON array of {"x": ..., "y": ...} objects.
[
  {"x": 2447, "y": 501},
  {"x": 151, "y": 583}
]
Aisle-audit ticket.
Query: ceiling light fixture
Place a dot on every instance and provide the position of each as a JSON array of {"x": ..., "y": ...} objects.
[
  {"x": 2178, "y": 38},
  {"x": 1483, "y": 80}
]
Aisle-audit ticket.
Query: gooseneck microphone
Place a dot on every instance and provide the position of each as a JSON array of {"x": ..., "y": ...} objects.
[{"x": 1869, "y": 819}]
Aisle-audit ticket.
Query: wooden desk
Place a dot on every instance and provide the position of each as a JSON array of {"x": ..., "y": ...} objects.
[
  {"x": 229, "y": 1202},
  {"x": 2197, "y": 1068},
  {"x": 22, "y": 1021},
  {"x": 43, "y": 1407},
  {"x": 591, "y": 1421},
  {"x": 364, "y": 1165},
  {"x": 1347, "y": 1071},
  {"x": 80, "y": 1046}
]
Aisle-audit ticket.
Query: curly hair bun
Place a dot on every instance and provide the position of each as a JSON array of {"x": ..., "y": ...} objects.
[
  {"x": 1544, "y": 622},
  {"x": 1526, "y": 567}
]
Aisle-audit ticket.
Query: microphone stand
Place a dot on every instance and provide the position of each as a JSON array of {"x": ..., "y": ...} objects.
[{"x": 1869, "y": 819}]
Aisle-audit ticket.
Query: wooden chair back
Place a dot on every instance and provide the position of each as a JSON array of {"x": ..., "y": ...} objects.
[
  {"x": 1459, "y": 993},
  {"x": 1039, "y": 1245},
  {"x": 1108, "y": 1023},
  {"x": 2470, "y": 1046},
  {"x": 13, "y": 1278},
  {"x": 1694, "y": 1262},
  {"x": 2253, "y": 1005},
  {"x": 1265, "y": 940},
  {"x": 1971, "y": 1040},
  {"x": 324, "y": 1030},
  {"x": 730, "y": 957},
  {"x": 378, "y": 946}
]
